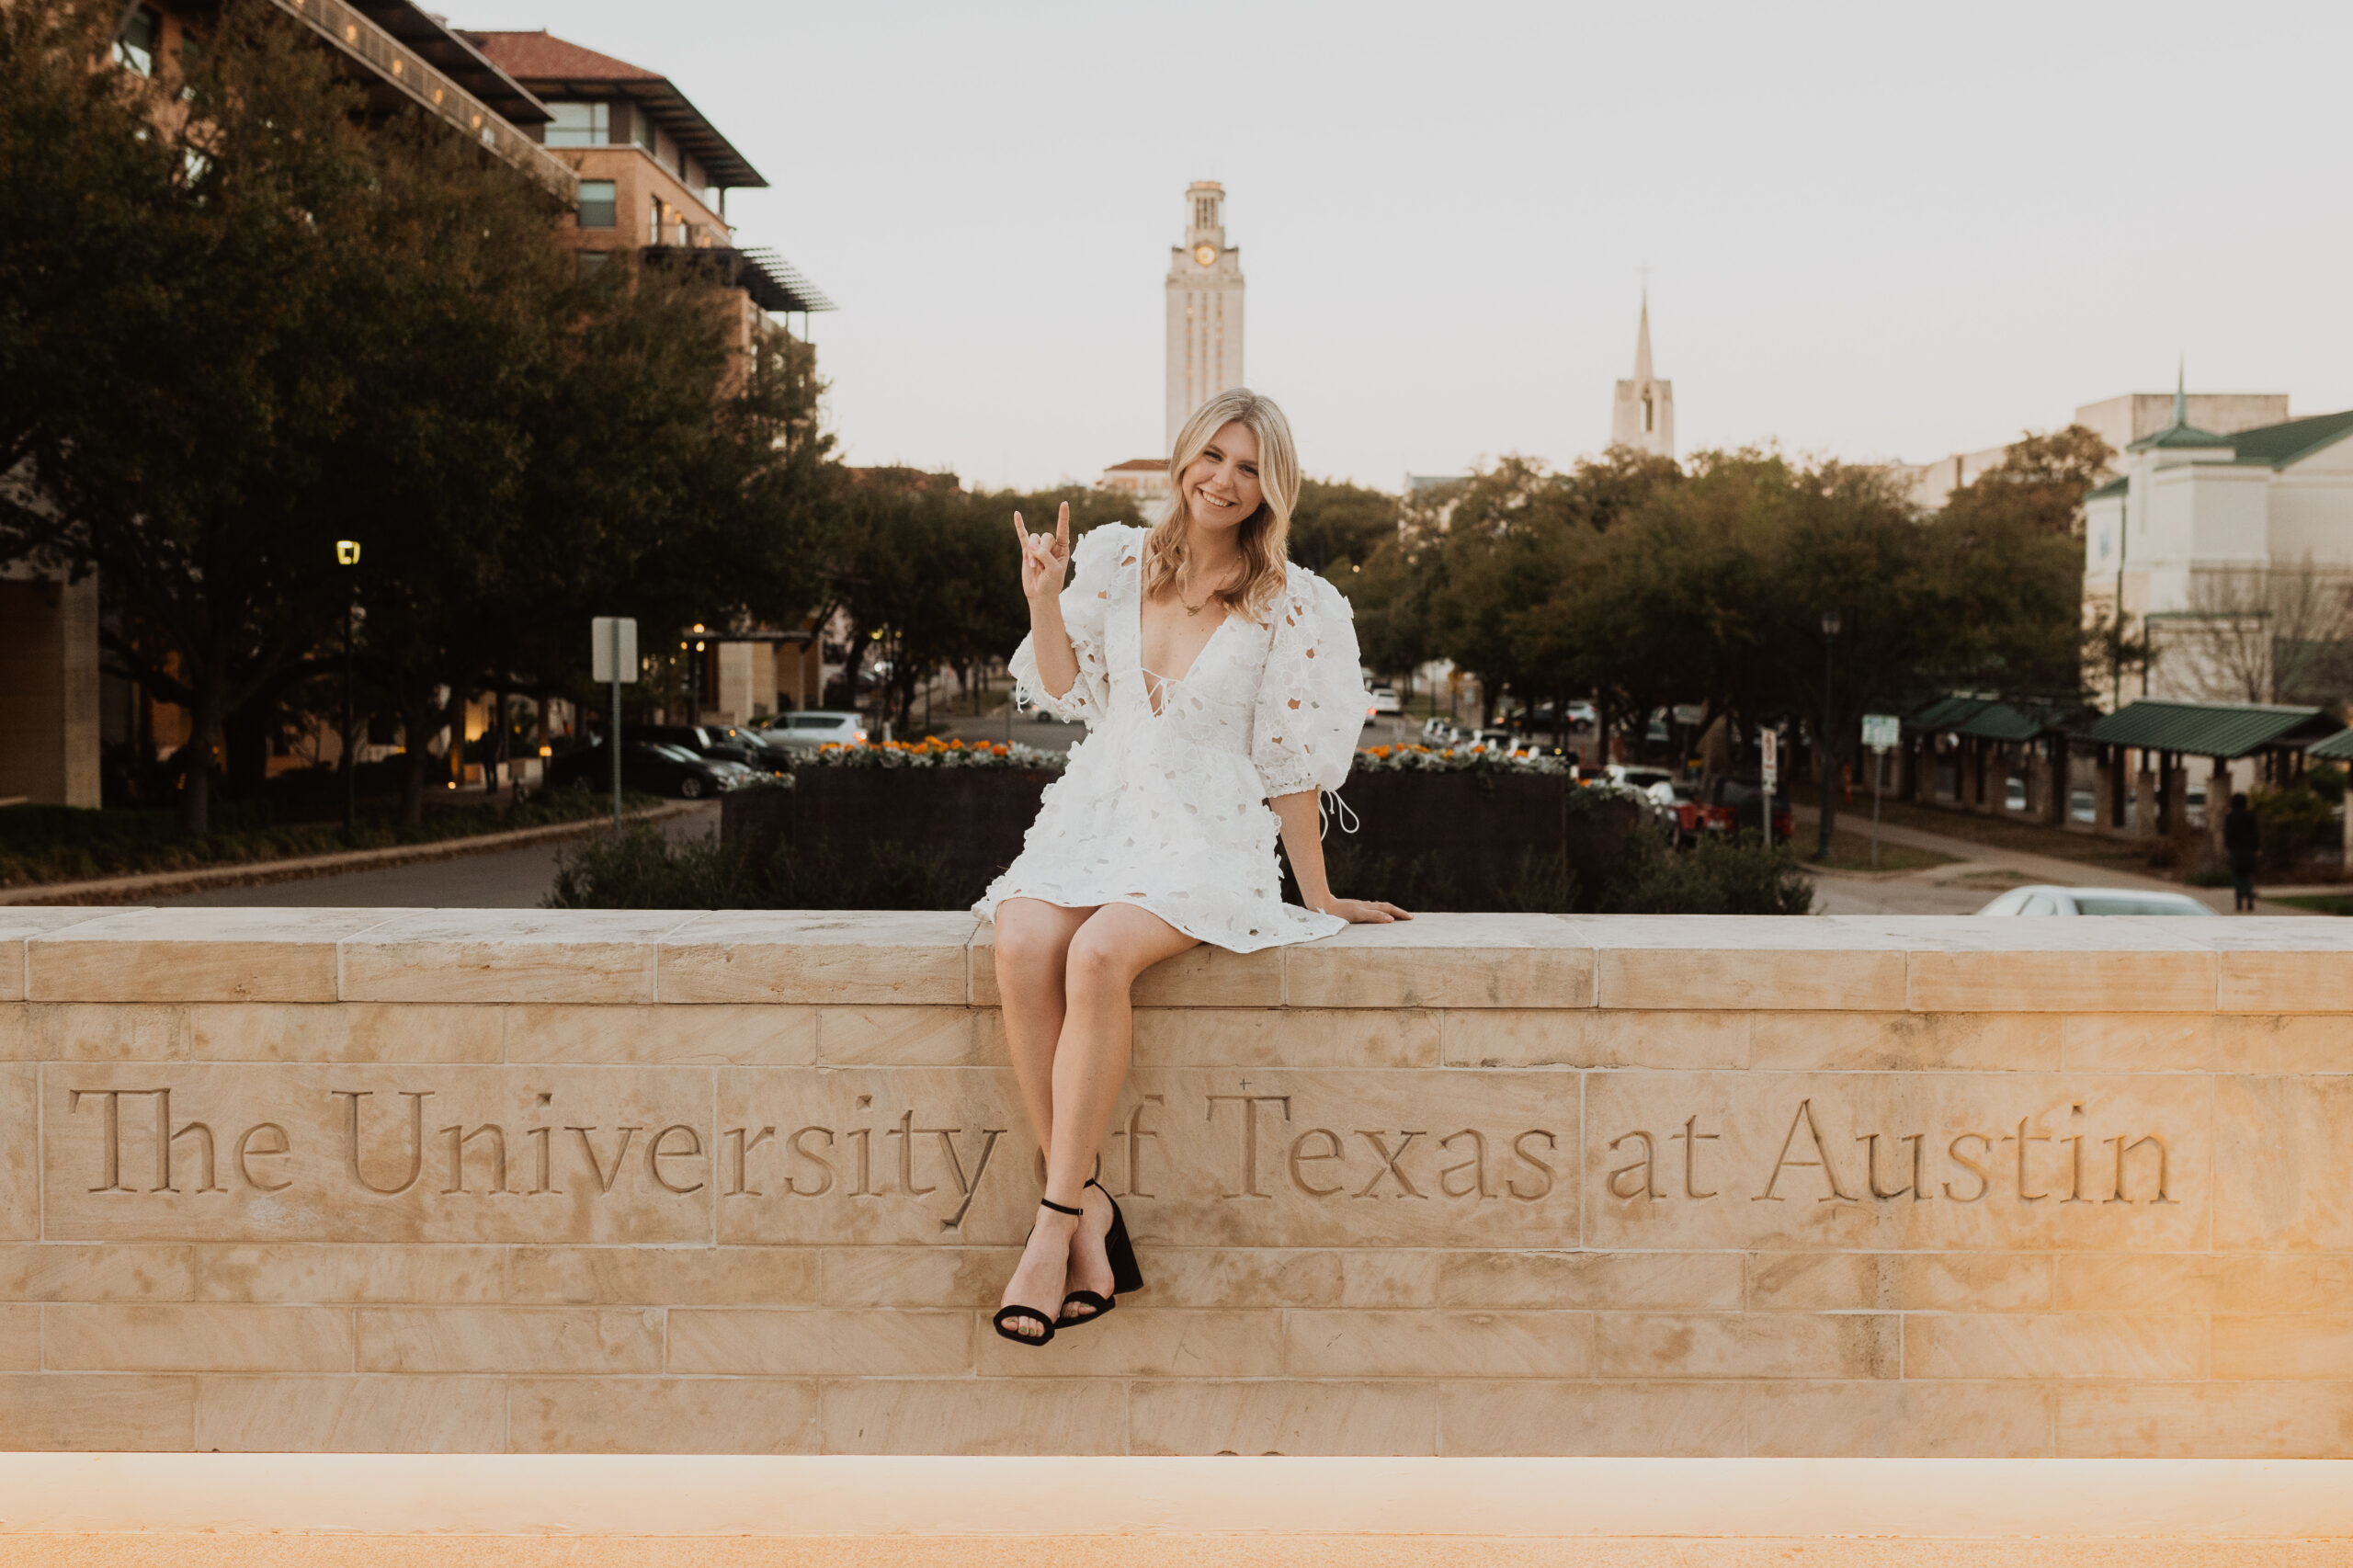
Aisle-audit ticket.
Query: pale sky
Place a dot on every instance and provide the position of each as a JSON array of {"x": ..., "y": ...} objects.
[{"x": 1874, "y": 231}]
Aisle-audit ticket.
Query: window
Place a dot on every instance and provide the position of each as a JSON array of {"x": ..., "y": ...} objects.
[
  {"x": 654, "y": 220},
  {"x": 142, "y": 39},
  {"x": 579, "y": 125},
  {"x": 641, "y": 130},
  {"x": 599, "y": 205},
  {"x": 592, "y": 263}
]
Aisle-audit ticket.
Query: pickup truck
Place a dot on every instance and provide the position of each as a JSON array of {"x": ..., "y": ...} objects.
[{"x": 1726, "y": 804}]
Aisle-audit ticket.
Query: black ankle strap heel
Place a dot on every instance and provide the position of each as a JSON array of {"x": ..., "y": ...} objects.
[
  {"x": 1007, "y": 1316},
  {"x": 1125, "y": 1274}
]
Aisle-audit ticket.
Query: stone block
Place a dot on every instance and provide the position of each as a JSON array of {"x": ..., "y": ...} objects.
[
  {"x": 200, "y": 1337},
  {"x": 350, "y": 1414},
  {"x": 2191, "y": 1282},
  {"x": 939, "y": 1276},
  {"x": 509, "y": 1340},
  {"x": 194, "y": 955},
  {"x": 1963, "y": 965},
  {"x": 1254, "y": 1278},
  {"x": 1770, "y": 1162},
  {"x": 2147, "y": 1347},
  {"x": 2309, "y": 1346},
  {"x": 580, "y": 955},
  {"x": 1591, "y": 1281},
  {"x": 695, "y": 1277},
  {"x": 351, "y": 1031},
  {"x": 19, "y": 925},
  {"x": 1849, "y": 1281},
  {"x": 1289, "y": 1417},
  {"x": 58, "y": 1412},
  {"x": 662, "y": 1037},
  {"x": 902, "y": 1036},
  {"x": 20, "y": 1151},
  {"x": 902, "y": 957},
  {"x": 1755, "y": 1344},
  {"x": 1348, "y": 1037},
  {"x": 384, "y": 1154},
  {"x": 2281, "y": 965},
  {"x": 1679, "y": 964},
  {"x": 966, "y": 1415},
  {"x": 1655, "y": 1037},
  {"x": 299, "y": 1271},
  {"x": 1199, "y": 977},
  {"x": 1906, "y": 1042},
  {"x": 1377, "y": 1277},
  {"x": 820, "y": 1342},
  {"x": 1684, "y": 1420},
  {"x": 1147, "y": 1341},
  {"x": 1444, "y": 961},
  {"x": 51, "y": 1271},
  {"x": 2216, "y": 1420},
  {"x": 2217, "y": 1042},
  {"x": 1898, "y": 1420},
  {"x": 20, "y": 1338},
  {"x": 2280, "y": 1165},
  {"x": 1439, "y": 1344},
  {"x": 662, "y": 1415},
  {"x": 96, "y": 1031}
]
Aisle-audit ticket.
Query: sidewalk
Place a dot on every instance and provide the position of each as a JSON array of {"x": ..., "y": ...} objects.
[{"x": 1977, "y": 874}]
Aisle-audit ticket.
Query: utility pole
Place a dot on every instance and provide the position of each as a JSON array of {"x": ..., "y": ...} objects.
[{"x": 347, "y": 556}]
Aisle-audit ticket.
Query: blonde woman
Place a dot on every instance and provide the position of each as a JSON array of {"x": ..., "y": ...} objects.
[{"x": 1220, "y": 688}]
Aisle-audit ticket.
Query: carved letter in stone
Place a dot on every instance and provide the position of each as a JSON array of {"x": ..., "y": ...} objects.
[
  {"x": 416, "y": 1098},
  {"x": 458, "y": 1142},
  {"x": 655, "y": 1154},
  {"x": 1871, "y": 1165},
  {"x": 1300, "y": 1156},
  {"x": 948, "y": 1136},
  {"x": 1985, "y": 1182},
  {"x": 1250, "y": 1103},
  {"x": 2122, "y": 1149},
  {"x": 113, "y": 1168},
  {"x": 1137, "y": 1133},
  {"x": 166, "y": 1136},
  {"x": 605, "y": 1178},
  {"x": 1804, "y": 1116},
  {"x": 906, "y": 1134},
  {"x": 1692, "y": 1138},
  {"x": 543, "y": 1162},
  {"x": 744, "y": 1148},
  {"x": 1477, "y": 1165},
  {"x": 247, "y": 1152},
  {"x": 823, "y": 1164},
  {"x": 1519, "y": 1147},
  {"x": 1645, "y": 1169},
  {"x": 1389, "y": 1164},
  {"x": 2023, "y": 1140}
]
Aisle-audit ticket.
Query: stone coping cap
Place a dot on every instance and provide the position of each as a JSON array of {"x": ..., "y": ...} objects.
[{"x": 1832, "y": 963}]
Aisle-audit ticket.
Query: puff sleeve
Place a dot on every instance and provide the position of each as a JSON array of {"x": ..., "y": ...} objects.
[
  {"x": 1096, "y": 559},
  {"x": 1311, "y": 700}
]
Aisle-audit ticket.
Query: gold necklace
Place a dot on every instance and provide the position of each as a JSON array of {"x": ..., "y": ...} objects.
[{"x": 1196, "y": 610}]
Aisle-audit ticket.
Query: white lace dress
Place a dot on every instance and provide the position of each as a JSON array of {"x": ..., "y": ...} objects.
[{"x": 1168, "y": 810}]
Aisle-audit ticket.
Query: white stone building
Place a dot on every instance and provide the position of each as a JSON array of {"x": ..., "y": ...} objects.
[
  {"x": 2225, "y": 543},
  {"x": 2119, "y": 421},
  {"x": 1641, "y": 415},
  {"x": 1205, "y": 288}
]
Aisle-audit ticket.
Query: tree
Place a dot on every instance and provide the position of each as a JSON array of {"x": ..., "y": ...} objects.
[
  {"x": 2265, "y": 635},
  {"x": 1338, "y": 525},
  {"x": 2038, "y": 484}
]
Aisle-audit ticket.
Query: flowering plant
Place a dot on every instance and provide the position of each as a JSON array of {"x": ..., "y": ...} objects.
[
  {"x": 936, "y": 753},
  {"x": 1457, "y": 759}
]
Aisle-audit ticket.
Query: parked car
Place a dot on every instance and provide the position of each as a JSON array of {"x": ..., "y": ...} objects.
[
  {"x": 648, "y": 766},
  {"x": 1732, "y": 805},
  {"x": 2094, "y": 901},
  {"x": 1655, "y": 782},
  {"x": 1384, "y": 700},
  {"x": 808, "y": 728},
  {"x": 719, "y": 743}
]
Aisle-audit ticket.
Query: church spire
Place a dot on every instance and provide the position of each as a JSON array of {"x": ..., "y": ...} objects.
[
  {"x": 1643, "y": 344},
  {"x": 2181, "y": 392},
  {"x": 1642, "y": 415}
]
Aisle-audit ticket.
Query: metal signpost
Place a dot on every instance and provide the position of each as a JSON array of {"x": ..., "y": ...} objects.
[
  {"x": 1771, "y": 741},
  {"x": 1880, "y": 733},
  {"x": 613, "y": 657}
]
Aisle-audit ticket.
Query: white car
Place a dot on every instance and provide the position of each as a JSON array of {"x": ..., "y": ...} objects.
[
  {"x": 2092, "y": 900},
  {"x": 1658, "y": 783},
  {"x": 808, "y": 728},
  {"x": 1384, "y": 700}
]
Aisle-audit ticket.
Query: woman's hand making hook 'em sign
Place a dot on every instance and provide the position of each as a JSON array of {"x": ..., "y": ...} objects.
[{"x": 1044, "y": 557}]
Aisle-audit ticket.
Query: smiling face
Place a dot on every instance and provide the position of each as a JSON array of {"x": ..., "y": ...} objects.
[{"x": 1220, "y": 486}]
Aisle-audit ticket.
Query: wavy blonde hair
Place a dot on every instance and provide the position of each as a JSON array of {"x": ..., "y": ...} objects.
[{"x": 1264, "y": 535}]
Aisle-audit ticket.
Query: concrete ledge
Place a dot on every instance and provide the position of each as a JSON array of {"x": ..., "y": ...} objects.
[{"x": 1562, "y": 1499}]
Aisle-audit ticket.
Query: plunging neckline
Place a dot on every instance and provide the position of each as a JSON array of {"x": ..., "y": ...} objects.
[{"x": 1151, "y": 675}]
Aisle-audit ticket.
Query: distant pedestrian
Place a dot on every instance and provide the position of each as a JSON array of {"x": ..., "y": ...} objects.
[{"x": 2242, "y": 842}]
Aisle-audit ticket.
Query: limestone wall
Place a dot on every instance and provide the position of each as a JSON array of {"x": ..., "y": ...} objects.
[{"x": 493, "y": 1180}]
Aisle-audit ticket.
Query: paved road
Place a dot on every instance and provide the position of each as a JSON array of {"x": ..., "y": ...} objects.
[
  {"x": 1978, "y": 873},
  {"x": 512, "y": 878}
]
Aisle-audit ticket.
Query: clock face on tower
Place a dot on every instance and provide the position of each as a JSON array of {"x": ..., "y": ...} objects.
[{"x": 1205, "y": 254}]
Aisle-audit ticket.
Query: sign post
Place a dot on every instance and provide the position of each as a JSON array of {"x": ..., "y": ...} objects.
[
  {"x": 1881, "y": 732},
  {"x": 613, "y": 657},
  {"x": 1771, "y": 742}
]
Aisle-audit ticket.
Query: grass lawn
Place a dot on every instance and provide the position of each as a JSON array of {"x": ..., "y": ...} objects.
[
  {"x": 1851, "y": 850},
  {"x": 2325, "y": 903},
  {"x": 1997, "y": 833},
  {"x": 41, "y": 845}
]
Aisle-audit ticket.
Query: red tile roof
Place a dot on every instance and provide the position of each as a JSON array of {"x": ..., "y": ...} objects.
[
  {"x": 1139, "y": 465},
  {"x": 542, "y": 55}
]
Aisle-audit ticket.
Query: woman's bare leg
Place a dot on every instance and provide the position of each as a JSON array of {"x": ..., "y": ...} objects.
[
  {"x": 1033, "y": 949},
  {"x": 1116, "y": 943}
]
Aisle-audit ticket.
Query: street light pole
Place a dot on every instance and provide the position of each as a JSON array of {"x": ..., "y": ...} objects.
[
  {"x": 347, "y": 554},
  {"x": 1825, "y": 818}
]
